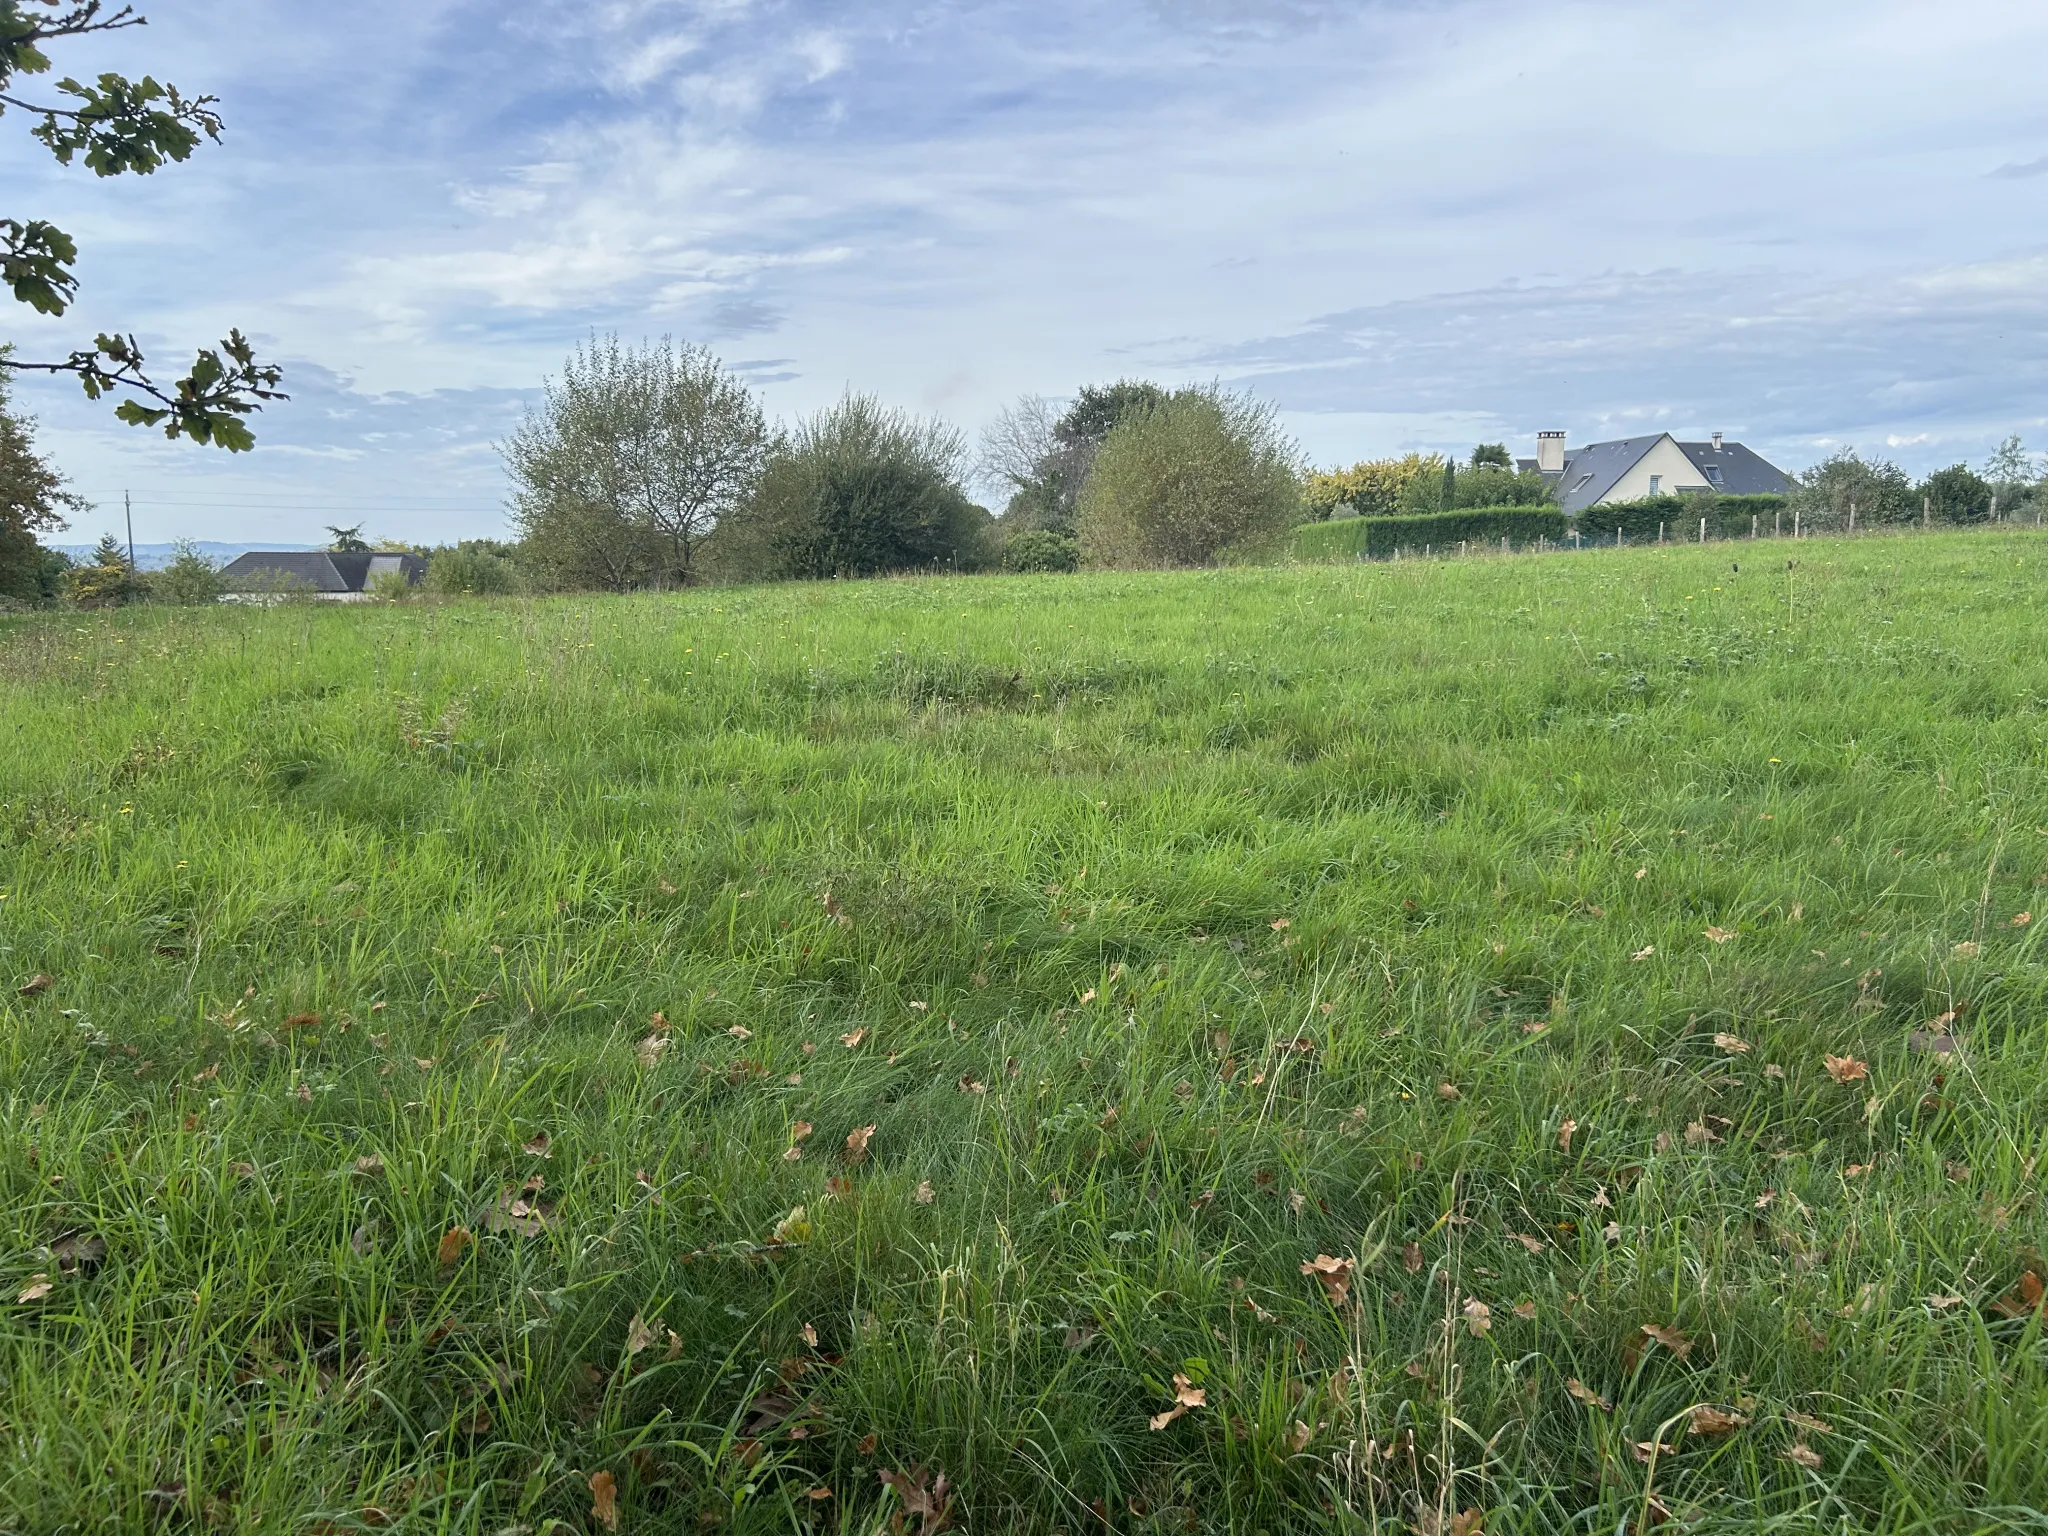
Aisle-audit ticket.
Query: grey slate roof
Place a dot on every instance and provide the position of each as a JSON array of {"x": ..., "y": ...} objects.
[
  {"x": 320, "y": 570},
  {"x": 1735, "y": 471},
  {"x": 1591, "y": 472}
]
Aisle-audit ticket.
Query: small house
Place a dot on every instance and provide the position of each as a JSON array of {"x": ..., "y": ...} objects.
[
  {"x": 1633, "y": 468},
  {"x": 333, "y": 575}
]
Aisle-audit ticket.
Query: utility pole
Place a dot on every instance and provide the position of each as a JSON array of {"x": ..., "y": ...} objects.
[{"x": 128, "y": 510}]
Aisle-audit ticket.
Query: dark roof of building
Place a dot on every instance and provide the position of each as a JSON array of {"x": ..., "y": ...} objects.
[
  {"x": 1735, "y": 471},
  {"x": 320, "y": 569},
  {"x": 1591, "y": 472}
]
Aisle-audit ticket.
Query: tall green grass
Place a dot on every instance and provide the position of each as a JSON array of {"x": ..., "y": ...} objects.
[{"x": 1487, "y": 925}]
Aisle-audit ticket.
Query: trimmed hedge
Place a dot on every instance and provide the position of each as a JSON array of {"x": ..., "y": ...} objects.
[
  {"x": 1727, "y": 518},
  {"x": 1373, "y": 538}
]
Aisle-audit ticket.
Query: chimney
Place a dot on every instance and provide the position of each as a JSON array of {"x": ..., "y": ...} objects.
[
  {"x": 1717, "y": 442},
  {"x": 1550, "y": 453}
]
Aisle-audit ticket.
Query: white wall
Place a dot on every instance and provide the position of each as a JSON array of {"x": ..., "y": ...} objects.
[{"x": 1667, "y": 460}]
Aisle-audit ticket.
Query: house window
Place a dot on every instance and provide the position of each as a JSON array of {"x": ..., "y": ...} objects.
[
  {"x": 1714, "y": 473},
  {"x": 1584, "y": 481},
  {"x": 1656, "y": 485}
]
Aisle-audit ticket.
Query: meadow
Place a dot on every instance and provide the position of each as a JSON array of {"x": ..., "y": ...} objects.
[{"x": 1521, "y": 1045}]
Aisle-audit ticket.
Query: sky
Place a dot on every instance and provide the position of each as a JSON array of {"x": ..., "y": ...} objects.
[{"x": 1410, "y": 224}]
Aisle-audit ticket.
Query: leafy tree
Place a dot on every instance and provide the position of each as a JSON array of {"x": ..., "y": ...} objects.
[
  {"x": 631, "y": 462},
  {"x": 1491, "y": 485},
  {"x": 1045, "y": 460},
  {"x": 1492, "y": 456},
  {"x": 859, "y": 490},
  {"x": 1958, "y": 494},
  {"x": 115, "y": 125},
  {"x": 1202, "y": 475},
  {"x": 107, "y": 580},
  {"x": 33, "y": 500},
  {"x": 190, "y": 580},
  {"x": 2014, "y": 475},
  {"x": 1370, "y": 488},
  {"x": 1880, "y": 491}
]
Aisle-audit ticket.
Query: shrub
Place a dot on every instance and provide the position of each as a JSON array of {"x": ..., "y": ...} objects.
[
  {"x": 857, "y": 490},
  {"x": 1202, "y": 475},
  {"x": 1040, "y": 549},
  {"x": 1957, "y": 494},
  {"x": 1728, "y": 517},
  {"x": 108, "y": 581},
  {"x": 1878, "y": 489},
  {"x": 189, "y": 581},
  {"x": 468, "y": 570},
  {"x": 388, "y": 587},
  {"x": 1377, "y": 537}
]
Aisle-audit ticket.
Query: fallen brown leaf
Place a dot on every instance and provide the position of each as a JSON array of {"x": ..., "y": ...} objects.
[
  {"x": 1644, "y": 953},
  {"x": 1526, "y": 1311},
  {"x": 639, "y": 1335},
  {"x": 1734, "y": 1045},
  {"x": 453, "y": 1242},
  {"x": 1411, "y": 1258},
  {"x": 648, "y": 1052},
  {"x": 857, "y": 1144},
  {"x": 1720, "y": 935},
  {"x": 36, "y": 985},
  {"x": 852, "y": 1040},
  {"x": 2023, "y": 1298},
  {"x": 1186, "y": 1395},
  {"x": 1299, "y": 1437},
  {"x": 1643, "y": 1450},
  {"x": 604, "y": 1500},
  {"x": 538, "y": 1147},
  {"x": 1533, "y": 1244},
  {"x": 1448, "y": 1092},
  {"x": 1669, "y": 1337},
  {"x": 1566, "y": 1129},
  {"x": 1845, "y": 1069},
  {"x": 1804, "y": 1454},
  {"x": 924, "y": 1194},
  {"x": 1712, "y": 1421},
  {"x": 37, "y": 1288},
  {"x": 1478, "y": 1317},
  {"x": 1586, "y": 1394},
  {"x": 1334, "y": 1275}
]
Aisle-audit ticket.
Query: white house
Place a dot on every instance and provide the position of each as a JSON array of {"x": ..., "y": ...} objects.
[{"x": 1632, "y": 468}]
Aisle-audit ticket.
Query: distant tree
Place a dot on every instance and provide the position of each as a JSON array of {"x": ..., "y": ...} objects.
[
  {"x": 117, "y": 125},
  {"x": 1370, "y": 488},
  {"x": 1958, "y": 494},
  {"x": 190, "y": 580},
  {"x": 631, "y": 462},
  {"x": 107, "y": 580},
  {"x": 1880, "y": 491},
  {"x": 1492, "y": 456},
  {"x": 1490, "y": 485},
  {"x": 349, "y": 541},
  {"x": 1046, "y": 460},
  {"x": 1203, "y": 474},
  {"x": 2015, "y": 477},
  {"x": 1040, "y": 549},
  {"x": 33, "y": 500},
  {"x": 858, "y": 489}
]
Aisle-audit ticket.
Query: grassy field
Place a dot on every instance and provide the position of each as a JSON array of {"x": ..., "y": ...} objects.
[{"x": 1528, "y": 1045}]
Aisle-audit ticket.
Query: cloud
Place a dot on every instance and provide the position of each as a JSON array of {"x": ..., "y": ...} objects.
[
  {"x": 742, "y": 317},
  {"x": 2020, "y": 170}
]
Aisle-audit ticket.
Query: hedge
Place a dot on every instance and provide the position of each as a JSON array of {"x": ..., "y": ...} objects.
[
  {"x": 1373, "y": 538},
  {"x": 1728, "y": 517}
]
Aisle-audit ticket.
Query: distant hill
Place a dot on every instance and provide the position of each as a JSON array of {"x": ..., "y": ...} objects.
[{"x": 152, "y": 557}]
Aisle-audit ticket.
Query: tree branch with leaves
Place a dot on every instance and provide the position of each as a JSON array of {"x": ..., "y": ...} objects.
[{"x": 117, "y": 126}]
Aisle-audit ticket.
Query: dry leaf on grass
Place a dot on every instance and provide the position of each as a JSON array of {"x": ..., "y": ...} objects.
[
  {"x": 1566, "y": 1129},
  {"x": 1533, "y": 1244},
  {"x": 1299, "y": 1437},
  {"x": 1845, "y": 1069},
  {"x": 1669, "y": 1337},
  {"x": 2025, "y": 1297},
  {"x": 1941, "y": 1303},
  {"x": 857, "y": 1144},
  {"x": 1466, "y": 1522},
  {"x": 1713, "y": 1421},
  {"x": 852, "y": 1040},
  {"x": 1478, "y": 1317},
  {"x": 793, "y": 1228},
  {"x": 604, "y": 1500},
  {"x": 639, "y": 1335},
  {"x": 1734, "y": 1045},
  {"x": 370, "y": 1167},
  {"x": 1526, "y": 1311},
  {"x": 1967, "y": 948},
  {"x": 453, "y": 1242},
  {"x": 800, "y": 1130},
  {"x": 37, "y": 1288},
  {"x": 1334, "y": 1275},
  {"x": 648, "y": 1051},
  {"x": 1808, "y": 1421},
  {"x": 1411, "y": 1258},
  {"x": 1586, "y": 1394},
  {"x": 1805, "y": 1455},
  {"x": 1644, "y": 1450},
  {"x": 1644, "y": 953},
  {"x": 925, "y": 1194},
  {"x": 1448, "y": 1092},
  {"x": 929, "y": 1498},
  {"x": 1186, "y": 1395},
  {"x": 1720, "y": 935},
  {"x": 538, "y": 1147},
  {"x": 37, "y": 984},
  {"x": 77, "y": 1251}
]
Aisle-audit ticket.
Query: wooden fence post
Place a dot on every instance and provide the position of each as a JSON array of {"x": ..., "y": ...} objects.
[
  {"x": 1926, "y": 513},
  {"x": 1703, "y": 530}
]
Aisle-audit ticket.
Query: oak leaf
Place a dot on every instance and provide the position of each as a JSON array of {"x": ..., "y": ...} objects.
[
  {"x": 1334, "y": 1275},
  {"x": 453, "y": 1241},
  {"x": 604, "y": 1500},
  {"x": 1478, "y": 1317},
  {"x": 857, "y": 1144},
  {"x": 1586, "y": 1394},
  {"x": 1845, "y": 1069}
]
